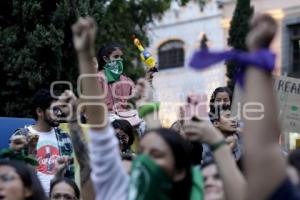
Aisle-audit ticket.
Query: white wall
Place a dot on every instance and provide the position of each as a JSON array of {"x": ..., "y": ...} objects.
[{"x": 173, "y": 85}]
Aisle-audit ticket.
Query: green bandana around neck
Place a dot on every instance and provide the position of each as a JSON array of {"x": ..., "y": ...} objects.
[
  {"x": 148, "y": 181},
  {"x": 113, "y": 70},
  {"x": 9, "y": 154}
]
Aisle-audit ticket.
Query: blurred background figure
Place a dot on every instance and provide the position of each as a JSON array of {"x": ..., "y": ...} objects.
[
  {"x": 125, "y": 134},
  {"x": 64, "y": 188},
  {"x": 18, "y": 181}
]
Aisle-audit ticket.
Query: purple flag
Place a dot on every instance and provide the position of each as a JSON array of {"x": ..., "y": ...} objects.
[{"x": 263, "y": 59}]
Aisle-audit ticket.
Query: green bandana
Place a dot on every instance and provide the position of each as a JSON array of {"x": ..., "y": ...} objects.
[
  {"x": 148, "y": 109},
  {"x": 197, "y": 192},
  {"x": 113, "y": 70},
  {"x": 148, "y": 181},
  {"x": 21, "y": 156}
]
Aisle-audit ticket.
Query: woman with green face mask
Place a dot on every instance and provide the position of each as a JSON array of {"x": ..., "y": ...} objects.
[
  {"x": 161, "y": 171},
  {"x": 118, "y": 87}
]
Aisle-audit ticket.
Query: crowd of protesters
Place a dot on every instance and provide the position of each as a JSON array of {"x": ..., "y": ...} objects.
[{"x": 128, "y": 155}]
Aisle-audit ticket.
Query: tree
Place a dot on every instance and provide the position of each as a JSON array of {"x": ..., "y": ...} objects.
[
  {"x": 239, "y": 28},
  {"x": 36, "y": 42}
]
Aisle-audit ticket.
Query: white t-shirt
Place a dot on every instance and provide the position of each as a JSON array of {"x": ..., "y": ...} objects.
[{"x": 47, "y": 153}]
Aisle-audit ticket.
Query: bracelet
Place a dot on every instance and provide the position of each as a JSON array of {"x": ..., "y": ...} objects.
[{"x": 216, "y": 146}]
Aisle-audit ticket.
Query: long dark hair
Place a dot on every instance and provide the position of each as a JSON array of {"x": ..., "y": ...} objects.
[
  {"x": 125, "y": 126},
  {"x": 218, "y": 90},
  {"x": 68, "y": 181},
  {"x": 181, "y": 152},
  {"x": 28, "y": 177},
  {"x": 106, "y": 50},
  {"x": 214, "y": 110}
]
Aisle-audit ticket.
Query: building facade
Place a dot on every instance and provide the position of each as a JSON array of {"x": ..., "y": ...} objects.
[
  {"x": 173, "y": 40},
  {"x": 177, "y": 35},
  {"x": 287, "y": 42}
]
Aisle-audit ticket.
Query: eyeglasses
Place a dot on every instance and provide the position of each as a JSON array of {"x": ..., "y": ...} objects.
[
  {"x": 5, "y": 178},
  {"x": 59, "y": 196}
]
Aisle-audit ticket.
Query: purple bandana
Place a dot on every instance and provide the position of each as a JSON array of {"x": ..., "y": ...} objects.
[{"x": 263, "y": 59}]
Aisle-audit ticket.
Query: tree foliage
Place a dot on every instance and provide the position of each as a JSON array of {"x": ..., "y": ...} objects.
[
  {"x": 36, "y": 42},
  {"x": 237, "y": 33}
]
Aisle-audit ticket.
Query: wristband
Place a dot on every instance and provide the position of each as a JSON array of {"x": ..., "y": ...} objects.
[{"x": 217, "y": 145}]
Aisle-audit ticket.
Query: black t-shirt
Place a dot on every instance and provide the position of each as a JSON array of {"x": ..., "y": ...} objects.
[{"x": 286, "y": 191}]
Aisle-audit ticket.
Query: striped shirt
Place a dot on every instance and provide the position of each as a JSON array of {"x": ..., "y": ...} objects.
[{"x": 108, "y": 175}]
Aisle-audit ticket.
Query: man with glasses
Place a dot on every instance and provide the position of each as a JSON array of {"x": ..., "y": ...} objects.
[{"x": 49, "y": 144}]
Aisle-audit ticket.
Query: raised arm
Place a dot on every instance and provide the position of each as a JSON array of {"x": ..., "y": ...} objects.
[
  {"x": 81, "y": 153},
  {"x": 110, "y": 180},
  {"x": 264, "y": 163},
  {"x": 234, "y": 182},
  {"x": 78, "y": 142},
  {"x": 84, "y": 33}
]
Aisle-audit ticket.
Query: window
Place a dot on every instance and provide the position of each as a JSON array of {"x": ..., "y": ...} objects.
[
  {"x": 171, "y": 55},
  {"x": 295, "y": 50}
]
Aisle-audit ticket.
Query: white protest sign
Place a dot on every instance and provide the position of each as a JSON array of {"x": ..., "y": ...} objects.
[{"x": 288, "y": 92}]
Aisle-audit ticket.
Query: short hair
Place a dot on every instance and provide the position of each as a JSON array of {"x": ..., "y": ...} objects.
[
  {"x": 28, "y": 177},
  {"x": 215, "y": 112},
  {"x": 41, "y": 99},
  {"x": 125, "y": 126},
  {"x": 68, "y": 181}
]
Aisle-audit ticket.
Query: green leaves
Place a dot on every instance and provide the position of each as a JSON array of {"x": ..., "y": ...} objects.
[
  {"x": 36, "y": 42},
  {"x": 238, "y": 31}
]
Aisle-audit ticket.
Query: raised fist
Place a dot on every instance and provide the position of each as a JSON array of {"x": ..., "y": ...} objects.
[
  {"x": 263, "y": 29},
  {"x": 84, "y": 34},
  {"x": 201, "y": 131}
]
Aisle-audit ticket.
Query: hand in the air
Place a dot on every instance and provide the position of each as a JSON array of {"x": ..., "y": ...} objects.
[
  {"x": 201, "y": 131},
  {"x": 67, "y": 103},
  {"x": 18, "y": 142},
  {"x": 84, "y": 34},
  {"x": 232, "y": 141}
]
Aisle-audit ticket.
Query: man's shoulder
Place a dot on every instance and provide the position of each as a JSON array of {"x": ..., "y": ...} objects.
[
  {"x": 61, "y": 132},
  {"x": 22, "y": 131}
]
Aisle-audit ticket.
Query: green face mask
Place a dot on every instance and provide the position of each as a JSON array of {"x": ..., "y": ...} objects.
[
  {"x": 113, "y": 70},
  {"x": 148, "y": 181}
]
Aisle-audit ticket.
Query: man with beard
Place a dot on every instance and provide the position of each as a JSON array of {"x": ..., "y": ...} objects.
[{"x": 45, "y": 141}]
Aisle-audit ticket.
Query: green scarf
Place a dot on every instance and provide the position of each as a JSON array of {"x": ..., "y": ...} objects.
[
  {"x": 113, "y": 70},
  {"x": 148, "y": 181},
  {"x": 197, "y": 191},
  {"x": 148, "y": 109},
  {"x": 21, "y": 156}
]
